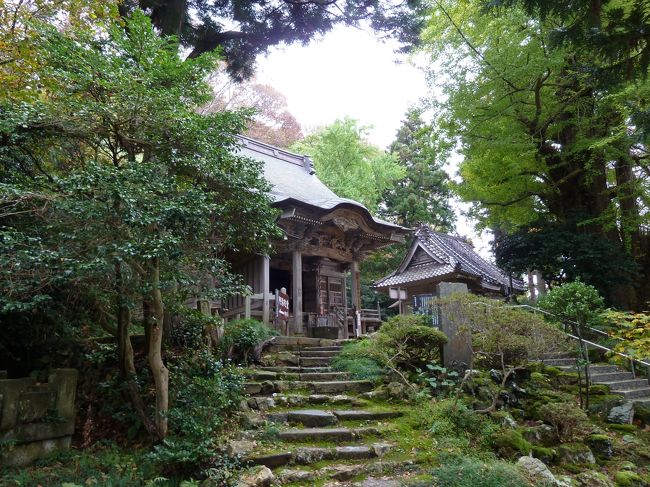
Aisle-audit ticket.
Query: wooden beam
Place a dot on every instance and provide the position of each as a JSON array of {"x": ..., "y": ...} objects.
[
  {"x": 296, "y": 269},
  {"x": 264, "y": 287},
  {"x": 356, "y": 285}
]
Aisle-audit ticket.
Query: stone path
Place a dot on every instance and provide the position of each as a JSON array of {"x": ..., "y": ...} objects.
[{"x": 310, "y": 425}]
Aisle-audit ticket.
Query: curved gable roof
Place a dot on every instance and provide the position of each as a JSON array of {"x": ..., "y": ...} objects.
[{"x": 293, "y": 177}]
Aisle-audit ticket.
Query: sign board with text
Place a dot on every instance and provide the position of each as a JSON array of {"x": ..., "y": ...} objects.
[{"x": 282, "y": 305}]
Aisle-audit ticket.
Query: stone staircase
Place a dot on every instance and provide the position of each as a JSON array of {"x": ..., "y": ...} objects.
[
  {"x": 619, "y": 380},
  {"x": 310, "y": 424}
]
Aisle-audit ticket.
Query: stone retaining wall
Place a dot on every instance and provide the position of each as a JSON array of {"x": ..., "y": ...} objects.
[{"x": 36, "y": 418}]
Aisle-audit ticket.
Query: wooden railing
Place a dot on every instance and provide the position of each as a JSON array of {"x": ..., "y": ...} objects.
[{"x": 253, "y": 307}]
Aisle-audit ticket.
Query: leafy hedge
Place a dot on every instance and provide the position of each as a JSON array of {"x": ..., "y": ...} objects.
[{"x": 242, "y": 337}]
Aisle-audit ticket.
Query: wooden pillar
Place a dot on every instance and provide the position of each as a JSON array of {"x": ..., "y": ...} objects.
[
  {"x": 264, "y": 287},
  {"x": 356, "y": 286},
  {"x": 296, "y": 269}
]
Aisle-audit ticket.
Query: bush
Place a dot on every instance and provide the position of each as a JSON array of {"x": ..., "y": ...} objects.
[
  {"x": 455, "y": 425},
  {"x": 357, "y": 358},
  {"x": 567, "y": 419},
  {"x": 242, "y": 337},
  {"x": 472, "y": 472},
  {"x": 575, "y": 301},
  {"x": 205, "y": 393},
  {"x": 409, "y": 343}
]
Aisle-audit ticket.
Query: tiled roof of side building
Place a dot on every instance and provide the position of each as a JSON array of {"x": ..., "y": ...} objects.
[
  {"x": 292, "y": 177},
  {"x": 450, "y": 254}
]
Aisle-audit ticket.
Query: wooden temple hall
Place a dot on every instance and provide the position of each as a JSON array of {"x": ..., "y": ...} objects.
[{"x": 325, "y": 237}]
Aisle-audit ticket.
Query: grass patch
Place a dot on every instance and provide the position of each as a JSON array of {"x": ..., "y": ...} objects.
[
  {"x": 474, "y": 472},
  {"x": 355, "y": 358}
]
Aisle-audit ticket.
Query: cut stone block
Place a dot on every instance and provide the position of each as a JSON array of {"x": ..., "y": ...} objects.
[
  {"x": 326, "y": 434},
  {"x": 360, "y": 415},
  {"x": 312, "y": 417},
  {"x": 271, "y": 460},
  {"x": 354, "y": 452}
]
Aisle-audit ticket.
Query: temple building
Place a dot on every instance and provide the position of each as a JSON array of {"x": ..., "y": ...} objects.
[
  {"x": 325, "y": 237},
  {"x": 435, "y": 258}
]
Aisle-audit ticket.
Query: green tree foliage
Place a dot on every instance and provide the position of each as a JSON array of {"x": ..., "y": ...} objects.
[
  {"x": 614, "y": 30},
  {"x": 540, "y": 140},
  {"x": 423, "y": 195},
  {"x": 574, "y": 301},
  {"x": 242, "y": 29},
  {"x": 114, "y": 188},
  {"x": 348, "y": 164},
  {"x": 561, "y": 252}
]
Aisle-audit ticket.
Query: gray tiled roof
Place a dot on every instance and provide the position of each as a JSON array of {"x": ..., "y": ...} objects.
[
  {"x": 292, "y": 177},
  {"x": 451, "y": 255},
  {"x": 416, "y": 273}
]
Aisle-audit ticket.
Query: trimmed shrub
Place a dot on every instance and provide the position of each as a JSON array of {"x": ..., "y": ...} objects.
[
  {"x": 457, "y": 426},
  {"x": 242, "y": 337},
  {"x": 357, "y": 358},
  {"x": 567, "y": 419},
  {"x": 409, "y": 343}
]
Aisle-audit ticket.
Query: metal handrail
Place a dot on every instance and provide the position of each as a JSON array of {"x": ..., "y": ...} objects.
[
  {"x": 589, "y": 343},
  {"x": 593, "y": 344},
  {"x": 548, "y": 313}
]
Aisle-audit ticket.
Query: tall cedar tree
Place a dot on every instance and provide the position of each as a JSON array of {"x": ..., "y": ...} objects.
[{"x": 423, "y": 195}]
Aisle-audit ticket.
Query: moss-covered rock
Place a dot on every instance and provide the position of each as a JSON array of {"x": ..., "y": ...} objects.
[
  {"x": 627, "y": 478},
  {"x": 592, "y": 478},
  {"x": 575, "y": 453},
  {"x": 625, "y": 428},
  {"x": 510, "y": 443},
  {"x": 642, "y": 413},
  {"x": 598, "y": 389},
  {"x": 601, "y": 445},
  {"x": 546, "y": 455},
  {"x": 567, "y": 378}
]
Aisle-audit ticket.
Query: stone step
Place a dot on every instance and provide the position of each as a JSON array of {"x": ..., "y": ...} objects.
[
  {"x": 298, "y": 400},
  {"x": 594, "y": 369},
  {"x": 559, "y": 362},
  {"x": 319, "y": 353},
  {"x": 554, "y": 355},
  {"x": 362, "y": 415},
  {"x": 338, "y": 386},
  {"x": 326, "y": 434},
  {"x": 324, "y": 376},
  {"x": 298, "y": 370},
  {"x": 267, "y": 388},
  {"x": 342, "y": 474},
  {"x": 258, "y": 388},
  {"x": 333, "y": 348},
  {"x": 321, "y": 417},
  {"x": 627, "y": 385},
  {"x": 311, "y": 455},
  {"x": 610, "y": 377},
  {"x": 315, "y": 361},
  {"x": 311, "y": 418},
  {"x": 633, "y": 393}
]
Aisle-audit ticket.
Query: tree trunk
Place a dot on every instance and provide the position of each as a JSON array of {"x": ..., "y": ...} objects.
[{"x": 159, "y": 371}]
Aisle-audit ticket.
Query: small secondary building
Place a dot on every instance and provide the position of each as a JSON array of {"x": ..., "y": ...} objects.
[
  {"x": 435, "y": 258},
  {"x": 325, "y": 237}
]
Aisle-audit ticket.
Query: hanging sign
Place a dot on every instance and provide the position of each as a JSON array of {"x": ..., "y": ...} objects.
[{"x": 282, "y": 305}]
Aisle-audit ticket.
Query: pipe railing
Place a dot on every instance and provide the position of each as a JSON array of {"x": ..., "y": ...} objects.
[
  {"x": 598, "y": 346},
  {"x": 608, "y": 350}
]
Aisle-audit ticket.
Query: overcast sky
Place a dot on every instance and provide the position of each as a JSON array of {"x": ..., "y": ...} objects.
[{"x": 351, "y": 73}]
